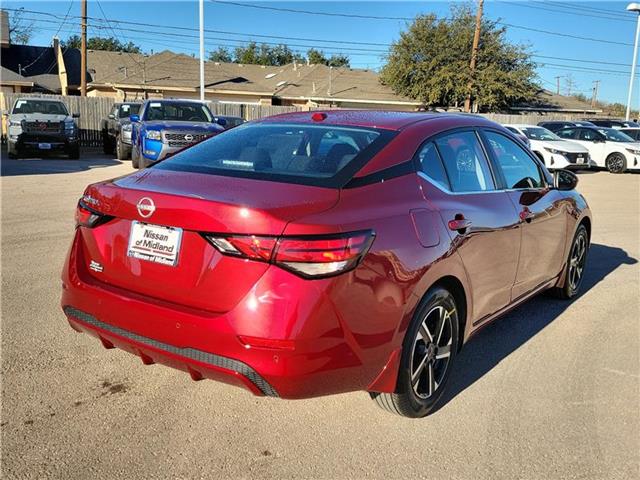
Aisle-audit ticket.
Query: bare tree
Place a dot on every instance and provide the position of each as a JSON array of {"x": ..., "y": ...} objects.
[{"x": 20, "y": 30}]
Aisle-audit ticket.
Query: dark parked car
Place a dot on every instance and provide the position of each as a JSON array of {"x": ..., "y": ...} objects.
[
  {"x": 555, "y": 125},
  {"x": 633, "y": 132},
  {"x": 116, "y": 129},
  {"x": 613, "y": 123},
  {"x": 310, "y": 254}
]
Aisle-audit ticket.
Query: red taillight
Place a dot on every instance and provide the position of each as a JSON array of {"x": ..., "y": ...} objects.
[
  {"x": 309, "y": 256},
  {"x": 87, "y": 217}
]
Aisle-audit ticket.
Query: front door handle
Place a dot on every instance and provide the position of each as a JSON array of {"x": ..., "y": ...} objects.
[{"x": 459, "y": 224}]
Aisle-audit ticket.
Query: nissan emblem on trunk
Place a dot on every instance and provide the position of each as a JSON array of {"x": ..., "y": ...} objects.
[{"x": 146, "y": 207}]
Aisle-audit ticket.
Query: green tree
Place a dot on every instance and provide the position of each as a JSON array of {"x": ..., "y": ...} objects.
[
  {"x": 221, "y": 54},
  {"x": 101, "y": 43},
  {"x": 430, "y": 63},
  {"x": 264, "y": 54},
  {"x": 318, "y": 57}
]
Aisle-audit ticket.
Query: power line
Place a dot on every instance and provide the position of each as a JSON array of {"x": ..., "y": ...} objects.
[
  {"x": 57, "y": 32},
  {"x": 349, "y": 50},
  {"x": 587, "y": 9},
  {"x": 374, "y": 17},
  {"x": 538, "y": 6}
]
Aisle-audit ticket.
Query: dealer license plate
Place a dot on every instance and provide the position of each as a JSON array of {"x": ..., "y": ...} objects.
[
  {"x": 154, "y": 243},
  {"x": 44, "y": 146},
  {"x": 580, "y": 160}
]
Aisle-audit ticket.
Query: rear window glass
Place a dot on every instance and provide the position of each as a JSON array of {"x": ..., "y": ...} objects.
[{"x": 299, "y": 153}]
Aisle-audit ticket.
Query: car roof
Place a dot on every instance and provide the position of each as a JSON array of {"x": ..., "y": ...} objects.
[
  {"x": 388, "y": 120},
  {"x": 39, "y": 99},
  {"x": 521, "y": 125},
  {"x": 174, "y": 100}
]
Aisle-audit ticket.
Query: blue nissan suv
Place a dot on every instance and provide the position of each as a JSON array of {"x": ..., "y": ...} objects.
[{"x": 163, "y": 127}]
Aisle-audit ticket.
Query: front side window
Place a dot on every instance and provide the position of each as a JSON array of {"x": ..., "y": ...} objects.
[
  {"x": 177, "y": 112},
  {"x": 299, "y": 153},
  {"x": 465, "y": 163},
  {"x": 567, "y": 133},
  {"x": 40, "y": 106},
  {"x": 431, "y": 165},
  {"x": 588, "y": 135},
  {"x": 518, "y": 168}
]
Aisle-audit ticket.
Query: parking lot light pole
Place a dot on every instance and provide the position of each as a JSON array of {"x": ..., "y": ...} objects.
[{"x": 633, "y": 7}]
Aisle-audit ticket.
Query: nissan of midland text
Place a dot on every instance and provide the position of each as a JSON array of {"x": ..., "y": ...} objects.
[{"x": 316, "y": 253}]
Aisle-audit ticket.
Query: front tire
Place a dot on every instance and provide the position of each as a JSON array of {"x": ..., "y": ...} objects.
[
  {"x": 74, "y": 153},
  {"x": 428, "y": 352},
  {"x": 574, "y": 269},
  {"x": 135, "y": 157},
  {"x": 616, "y": 163},
  {"x": 121, "y": 150}
]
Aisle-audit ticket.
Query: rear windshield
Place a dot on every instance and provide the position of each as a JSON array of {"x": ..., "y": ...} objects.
[
  {"x": 40, "y": 106},
  {"x": 175, "y": 111},
  {"x": 309, "y": 154}
]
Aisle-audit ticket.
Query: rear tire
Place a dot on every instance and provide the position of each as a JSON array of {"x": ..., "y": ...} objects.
[
  {"x": 616, "y": 163},
  {"x": 107, "y": 145},
  {"x": 575, "y": 265},
  {"x": 428, "y": 353}
]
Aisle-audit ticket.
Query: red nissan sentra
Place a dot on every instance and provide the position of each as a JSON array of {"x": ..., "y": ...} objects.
[{"x": 316, "y": 253}]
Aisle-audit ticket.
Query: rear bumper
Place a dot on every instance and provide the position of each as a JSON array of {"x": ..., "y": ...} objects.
[
  {"x": 197, "y": 363},
  {"x": 317, "y": 350}
]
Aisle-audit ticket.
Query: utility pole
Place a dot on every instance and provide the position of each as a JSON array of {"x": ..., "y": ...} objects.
[
  {"x": 474, "y": 55},
  {"x": 594, "y": 98},
  {"x": 558, "y": 85},
  {"x": 83, "y": 50},
  {"x": 202, "y": 50}
]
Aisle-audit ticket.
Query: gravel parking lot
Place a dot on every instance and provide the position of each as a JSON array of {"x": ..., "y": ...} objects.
[{"x": 550, "y": 391}]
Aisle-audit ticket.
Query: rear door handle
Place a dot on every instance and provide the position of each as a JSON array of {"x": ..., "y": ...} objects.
[{"x": 459, "y": 224}]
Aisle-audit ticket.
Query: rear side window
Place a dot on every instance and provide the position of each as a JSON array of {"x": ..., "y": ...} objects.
[
  {"x": 431, "y": 165},
  {"x": 465, "y": 163},
  {"x": 309, "y": 154},
  {"x": 518, "y": 168}
]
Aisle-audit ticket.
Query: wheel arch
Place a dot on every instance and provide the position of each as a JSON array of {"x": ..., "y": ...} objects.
[{"x": 455, "y": 286}]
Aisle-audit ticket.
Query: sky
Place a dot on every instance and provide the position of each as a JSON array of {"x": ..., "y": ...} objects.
[{"x": 603, "y": 52}]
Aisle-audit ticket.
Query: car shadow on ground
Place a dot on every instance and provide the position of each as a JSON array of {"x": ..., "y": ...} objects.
[
  {"x": 49, "y": 165},
  {"x": 499, "y": 339}
]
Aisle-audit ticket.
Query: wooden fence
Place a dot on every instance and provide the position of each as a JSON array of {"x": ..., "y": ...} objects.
[{"x": 93, "y": 109}]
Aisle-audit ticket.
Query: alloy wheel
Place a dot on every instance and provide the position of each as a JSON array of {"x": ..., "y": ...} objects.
[
  {"x": 616, "y": 164},
  {"x": 431, "y": 351},
  {"x": 577, "y": 261}
]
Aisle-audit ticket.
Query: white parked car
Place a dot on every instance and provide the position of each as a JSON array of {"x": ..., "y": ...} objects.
[
  {"x": 609, "y": 147},
  {"x": 555, "y": 152}
]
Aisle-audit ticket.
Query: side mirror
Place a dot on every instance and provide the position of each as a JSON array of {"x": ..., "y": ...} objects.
[
  {"x": 220, "y": 121},
  {"x": 112, "y": 116},
  {"x": 134, "y": 118},
  {"x": 564, "y": 180},
  {"x": 75, "y": 115}
]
